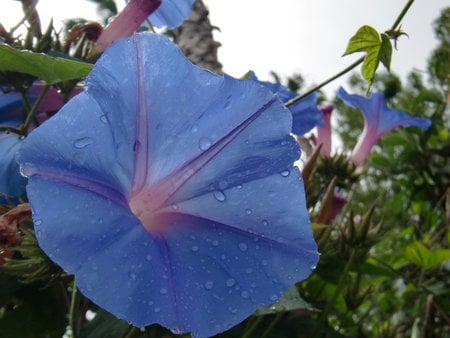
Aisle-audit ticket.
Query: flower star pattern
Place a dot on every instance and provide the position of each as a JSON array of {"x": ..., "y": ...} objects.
[
  {"x": 379, "y": 119},
  {"x": 305, "y": 113},
  {"x": 170, "y": 192}
]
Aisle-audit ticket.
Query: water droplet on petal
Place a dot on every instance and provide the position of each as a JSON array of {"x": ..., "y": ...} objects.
[
  {"x": 215, "y": 242},
  {"x": 104, "y": 119},
  {"x": 209, "y": 285},
  {"x": 265, "y": 223},
  {"x": 219, "y": 195},
  {"x": 37, "y": 222},
  {"x": 204, "y": 143},
  {"x": 148, "y": 258},
  {"x": 248, "y": 211},
  {"x": 239, "y": 186},
  {"x": 243, "y": 247},
  {"x": 194, "y": 128},
  {"x": 244, "y": 294},
  {"x": 132, "y": 275},
  {"x": 156, "y": 309},
  {"x": 230, "y": 282},
  {"x": 249, "y": 270},
  {"x": 274, "y": 298},
  {"x": 285, "y": 173},
  {"x": 194, "y": 248},
  {"x": 163, "y": 291},
  {"x": 264, "y": 262},
  {"x": 82, "y": 142}
]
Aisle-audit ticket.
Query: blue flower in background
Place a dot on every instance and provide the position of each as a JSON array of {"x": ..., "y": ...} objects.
[
  {"x": 171, "y": 13},
  {"x": 12, "y": 184},
  {"x": 305, "y": 113},
  {"x": 170, "y": 192},
  {"x": 379, "y": 119}
]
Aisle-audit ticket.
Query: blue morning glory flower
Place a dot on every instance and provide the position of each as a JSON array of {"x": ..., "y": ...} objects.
[
  {"x": 12, "y": 184},
  {"x": 170, "y": 192},
  {"x": 379, "y": 119},
  {"x": 171, "y": 13},
  {"x": 305, "y": 113}
]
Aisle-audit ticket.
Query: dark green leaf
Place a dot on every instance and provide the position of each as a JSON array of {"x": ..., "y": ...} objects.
[
  {"x": 50, "y": 69},
  {"x": 291, "y": 300},
  {"x": 420, "y": 255}
]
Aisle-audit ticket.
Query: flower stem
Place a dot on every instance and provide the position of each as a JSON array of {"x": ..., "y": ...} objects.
[
  {"x": 334, "y": 77},
  {"x": 325, "y": 313},
  {"x": 402, "y": 14},
  {"x": 350, "y": 67},
  {"x": 24, "y": 127},
  {"x": 73, "y": 311}
]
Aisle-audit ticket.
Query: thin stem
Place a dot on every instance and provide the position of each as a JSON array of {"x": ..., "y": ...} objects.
[
  {"x": 25, "y": 17},
  {"x": 7, "y": 129},
  {"x": 73, "y": 311},
  {"x": 353, "y": 65},
  {"x": 334, "y": 77},
  {"x": 272, "y": 324},
  {"x": 402, "y": 14},
  {"x": 24, "y": 127},
  {"x": 254, "y": 324},
  {"x": 332, "y": 301}
]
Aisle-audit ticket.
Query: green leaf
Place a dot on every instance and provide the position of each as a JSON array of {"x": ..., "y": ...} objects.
[
  {"x": 104, "y": 325},
  {"x": 291, "y": 300},
  {"x": 50, "y": 69},
  {"x": 420, "y": 255},
  {"x": 377, "y": 49}
]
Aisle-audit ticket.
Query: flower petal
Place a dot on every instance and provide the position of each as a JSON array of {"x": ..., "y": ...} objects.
[
  {"x": 12, "y": 183},
  {"x": 171, "y": 13}
]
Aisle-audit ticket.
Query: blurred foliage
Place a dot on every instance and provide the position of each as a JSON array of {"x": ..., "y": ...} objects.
[{"x": 384, "y": 267}]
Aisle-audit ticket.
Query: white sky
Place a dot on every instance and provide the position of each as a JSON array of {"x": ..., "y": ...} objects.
[{"x": 288, "y": 36}]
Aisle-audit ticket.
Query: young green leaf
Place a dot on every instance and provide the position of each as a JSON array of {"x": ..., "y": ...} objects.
[
  {"x": 368, "y": 40},
  {"x": 420, "y": 255},
  {"x": 50, "y": 69}
]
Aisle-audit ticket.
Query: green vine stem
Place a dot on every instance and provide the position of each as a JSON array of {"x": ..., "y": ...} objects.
[
  {"x": 326, "y": 312},
  {"x": 24, "y": 127},
  {"x": 350, "y": 67},
  {"x": 73, "y": 311}
]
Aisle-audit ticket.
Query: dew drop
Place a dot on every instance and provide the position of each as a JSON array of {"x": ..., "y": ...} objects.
[
  {"x": 82, "y": 142},
  {"x": 264, "y": 262},
  {"x": 163, "y": 291},
  {"x": 249, "y": 270},
  {"x": 132, "y": 275},
  {"x": 265, "y": 223},
  {"x": 156, "y": 309},
  {"x": 148, "y": 258},
  {"x": 244, "y": 294},
  {"x": 215, "y": 242},
  {"x": 274, "y": 298},
  {"x": 194, "y": 248},
  {"x": 232, "y": 310},
  {"x": 219, "y": 195},
  {"x": 194, "y": 128},
  {"x": 285, "y": 173},
  {"x": 230, "y": 282},
  {"x": 243, "y": 247},
  {"x": 248, "y": 211},
  {"x": 103, "y": 119},
  {"x": 239, "y": 186},
  {"x": 204, "y": 143},
  {"x": 209, "y": 285},
  {"x": 37, "y": 222}
]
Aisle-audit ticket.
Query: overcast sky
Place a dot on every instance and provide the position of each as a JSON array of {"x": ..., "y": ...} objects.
[{"x": 289, "y": 36}]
